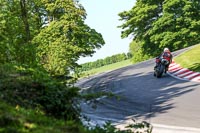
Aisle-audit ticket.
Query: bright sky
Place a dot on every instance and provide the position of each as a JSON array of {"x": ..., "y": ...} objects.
[{"x": 102, "y": 15}]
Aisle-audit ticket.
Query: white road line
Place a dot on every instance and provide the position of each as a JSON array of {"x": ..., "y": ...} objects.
[
  {"x": 184, "y": 74},
  {"x": 175, "y": 66},
  {"x": 184, "y": 69},
  {"x": 177, "y": 77},
  {"x": 175, "y": 69},
  {"x": 171, "y": 65},
  {"x": 191, "y": 75},
  {"x": 196, "y": 79},
  {"x": 159, "y": 128}
]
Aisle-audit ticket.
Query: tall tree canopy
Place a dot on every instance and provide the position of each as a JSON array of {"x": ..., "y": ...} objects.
[
  {"x": 49, "y": 33},
  {"x": 155, "y": 24}
]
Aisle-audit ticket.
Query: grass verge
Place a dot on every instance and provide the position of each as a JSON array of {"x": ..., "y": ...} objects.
[
  {"x": 107, "y": 68},
  {"x": 190, "y": 59},
  {"x": 21, "y": 120}
]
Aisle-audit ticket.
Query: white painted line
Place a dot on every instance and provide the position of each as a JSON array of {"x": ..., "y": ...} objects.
[
  {"x": 184, "y": 74},
  {"x": 175, "y": 69},
  {"x": 175, "y": 66},
  {"x": 177, "y": 77},
  {"x": 158, "y": 128},
  {"x": 172, "y": 64},
  {"x": 196, "y": 79},
  {"x": 184, "y": 69},
  {"x": 191, "y": 75}
]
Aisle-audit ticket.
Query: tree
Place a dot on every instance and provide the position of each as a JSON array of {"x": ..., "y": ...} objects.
[
  {"x": 47, "y": 33},
  {"x": 137, "y": 52},
  {"x": 9, "y": 30},
  {"x": 20, "y": 22},
  {"x": 179, "y": 25},
  {"x": 155, "y": 24},
  {"x": 66, "y": 38}
]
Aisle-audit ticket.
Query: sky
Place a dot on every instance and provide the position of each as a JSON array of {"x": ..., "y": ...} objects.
[{"x": 102, "y": 15}]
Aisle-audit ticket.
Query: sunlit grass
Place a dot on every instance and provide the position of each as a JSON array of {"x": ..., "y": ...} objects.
[
  {"x": 190, "y": 59},
  {"x": 108, "y": 68}
]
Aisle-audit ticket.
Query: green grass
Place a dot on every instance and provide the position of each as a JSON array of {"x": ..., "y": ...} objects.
[
  {"x": 20, "y": 120},
  {"x": 21, "y": 111},
  {"x": 190, "y": 59},
  {"x": 107, "y": 68}
]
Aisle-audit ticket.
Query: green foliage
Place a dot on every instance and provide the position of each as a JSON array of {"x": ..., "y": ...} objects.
[
  {"x": 66, "y": 37},
  {"x": 18, "y": 26},
  {"x": 34, "y": 88},
  {"x": 156, "y": 24},
  {"x": 49, "y": 34},
  {"x": 45, "y": 97},
  {"x": 40, "y": 41},
  {"x": 132, "y": 128},
  {"x": 137, "y": 52},
  {"x": 144, "y": 126},
  {"x": 108, "y": 128},
  {"x": 175, "y": 29},
  {"x": 20, "y": 120}
]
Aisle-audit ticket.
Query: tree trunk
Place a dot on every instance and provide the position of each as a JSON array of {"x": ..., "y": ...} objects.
[{"x": 25, "y": 19}]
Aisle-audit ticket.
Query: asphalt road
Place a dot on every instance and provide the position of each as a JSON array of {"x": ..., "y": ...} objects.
[{"x": 140, "y": 96}]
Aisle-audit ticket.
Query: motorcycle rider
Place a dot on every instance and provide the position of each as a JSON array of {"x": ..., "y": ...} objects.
[{"x": 166, "y": 55}]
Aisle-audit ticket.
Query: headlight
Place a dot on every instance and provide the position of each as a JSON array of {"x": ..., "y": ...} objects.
[{"x": 164, "y": 61}]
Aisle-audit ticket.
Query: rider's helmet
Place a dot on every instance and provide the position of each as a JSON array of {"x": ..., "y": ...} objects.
[{"x": 166, "y": 50}]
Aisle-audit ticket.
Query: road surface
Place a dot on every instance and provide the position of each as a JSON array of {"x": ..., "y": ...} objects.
[{"x": 140, "y": 96}]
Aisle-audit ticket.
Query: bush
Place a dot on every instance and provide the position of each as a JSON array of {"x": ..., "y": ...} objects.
[{"x": 34, "y": 88}]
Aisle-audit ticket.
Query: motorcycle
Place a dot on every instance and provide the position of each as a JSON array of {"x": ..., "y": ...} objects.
[{"x": 161, "y": 67}]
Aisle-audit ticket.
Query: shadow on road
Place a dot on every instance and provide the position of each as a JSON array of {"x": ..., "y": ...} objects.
[{"x": 141, "y": 96}]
